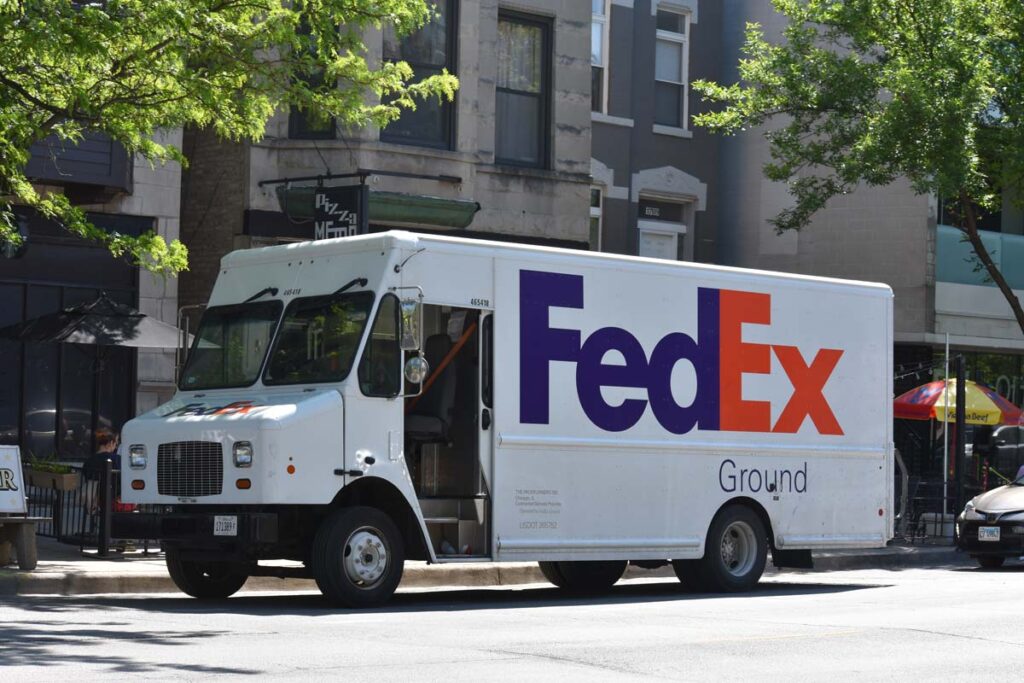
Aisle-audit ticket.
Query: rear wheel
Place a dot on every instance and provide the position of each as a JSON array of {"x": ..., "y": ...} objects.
[
  {"x": 552, "y": 573},
  {"x": 735, "y": 551},
  {"x": 205, "y": 580},
  {"x": 585, "y": 577},
  {"x": 688, "y": 572},
  {"x": 991, "y": 562},
  {"x": 358, "y": 556}
]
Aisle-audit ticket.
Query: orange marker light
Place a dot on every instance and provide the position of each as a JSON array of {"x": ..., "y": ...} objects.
[
  {"x": 291, "y": 469},
  {"x": 138, "y": 484},
  {"x": 243, "y": 484}
]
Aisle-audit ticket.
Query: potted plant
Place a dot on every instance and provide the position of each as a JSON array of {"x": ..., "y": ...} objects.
[{"x": 49, "y": 474}]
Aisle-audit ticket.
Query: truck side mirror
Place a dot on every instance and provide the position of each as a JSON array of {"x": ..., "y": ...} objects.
[{"x": 412, "y": 324}]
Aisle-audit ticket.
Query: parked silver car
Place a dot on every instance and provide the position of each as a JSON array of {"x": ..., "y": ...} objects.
[{"x": 991, "y": 526}]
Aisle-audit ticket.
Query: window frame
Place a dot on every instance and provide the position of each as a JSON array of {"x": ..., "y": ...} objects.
[
  {"x": 598, "y": 213},
  {"x": 683, "y": 41},
  {"x": 449, "y": 109},
  {"x": 280, "y": 331},
  {"x": 605, "y": 21},
  {"x": 545, "y": 95},
  {"x": 398, "y": 346}
]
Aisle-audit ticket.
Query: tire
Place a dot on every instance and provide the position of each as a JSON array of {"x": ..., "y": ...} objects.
[
  {"x": 990, "y": 562},
  {"x": 357, "y": 558},
  {"x": 735, "y": 551},
  {"x": 205, "y": 580},
  {"x": 589, "y": 577},
  {"x": 688, "y": 573},
  {"x": 552, "y": 573}
]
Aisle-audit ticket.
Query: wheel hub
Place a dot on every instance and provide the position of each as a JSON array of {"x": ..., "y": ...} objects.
[
  {"x": 366, "y": 557},
  {"x": 738, "y": 548}
]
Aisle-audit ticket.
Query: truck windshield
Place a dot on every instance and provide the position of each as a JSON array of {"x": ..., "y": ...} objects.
[
  {"x": 230, "y": 345},
  {"x": 318, "y": 339}
]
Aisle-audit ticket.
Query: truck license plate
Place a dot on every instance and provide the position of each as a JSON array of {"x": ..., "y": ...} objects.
[
  {"x": 988, "y": 533},
  {"x": 227, "y": 525}
]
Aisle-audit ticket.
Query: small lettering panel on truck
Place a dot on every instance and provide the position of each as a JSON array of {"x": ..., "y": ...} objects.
[{"x": 644, "y": 398}]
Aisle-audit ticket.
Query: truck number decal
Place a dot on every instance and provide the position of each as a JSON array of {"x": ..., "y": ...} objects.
[{"x": 480, "y": 302}]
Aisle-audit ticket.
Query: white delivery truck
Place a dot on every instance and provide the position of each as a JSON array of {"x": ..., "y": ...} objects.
[{"x": 353, "y": 403}]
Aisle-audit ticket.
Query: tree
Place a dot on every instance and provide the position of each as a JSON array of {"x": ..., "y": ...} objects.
[
  {"x": 131, "y": 68},
  {"x": 868, "y": 91}
]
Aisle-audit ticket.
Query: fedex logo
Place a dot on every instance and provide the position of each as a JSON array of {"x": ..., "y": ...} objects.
[{"x": 718, "y": 354}]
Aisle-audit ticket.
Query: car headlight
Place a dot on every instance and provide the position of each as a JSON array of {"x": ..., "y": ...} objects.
[
  {"x": 970, "y": 513},
  {"x": 137, "y": 456},
  {"x": 242, "y": 454}
]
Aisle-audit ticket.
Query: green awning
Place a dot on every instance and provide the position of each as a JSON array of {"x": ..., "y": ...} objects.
[{"x": 388, "y": 207}]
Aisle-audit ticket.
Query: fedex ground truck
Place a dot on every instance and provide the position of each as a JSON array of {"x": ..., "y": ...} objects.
[{"x": 349, "y": 404}]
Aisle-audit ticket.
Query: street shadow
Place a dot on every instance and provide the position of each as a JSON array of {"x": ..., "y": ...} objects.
[
  {"x": 75, "y": 645},
  {"x": 312, "y": 604}
]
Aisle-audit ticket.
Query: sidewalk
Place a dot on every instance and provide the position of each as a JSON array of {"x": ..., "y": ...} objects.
[{"x": 63, "y": 570}]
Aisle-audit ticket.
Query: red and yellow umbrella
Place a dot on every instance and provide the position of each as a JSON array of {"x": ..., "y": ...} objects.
[{"x": 934, "y": 401}]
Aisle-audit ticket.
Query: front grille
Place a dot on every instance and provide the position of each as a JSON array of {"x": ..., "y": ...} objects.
[{"x": 190, "y": 468}]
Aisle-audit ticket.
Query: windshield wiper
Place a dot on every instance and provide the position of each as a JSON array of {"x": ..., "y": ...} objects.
[
  {"x": 266, "y": 290},
  {"x": 361, "y": 281}
]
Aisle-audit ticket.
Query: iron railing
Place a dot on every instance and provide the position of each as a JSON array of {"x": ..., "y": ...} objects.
[{"x": 81, "y": 516}]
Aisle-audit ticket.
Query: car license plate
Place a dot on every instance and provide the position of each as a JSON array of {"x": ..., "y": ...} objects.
[
  {"x": 227, "y": 525},
  {"x": 988, "y": 533}
]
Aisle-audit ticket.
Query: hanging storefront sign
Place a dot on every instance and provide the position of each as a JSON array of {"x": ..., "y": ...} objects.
[{"x": 340, "y": 211}]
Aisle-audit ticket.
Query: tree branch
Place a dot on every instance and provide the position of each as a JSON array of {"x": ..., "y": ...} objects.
[{"x": 986, "y": 259}]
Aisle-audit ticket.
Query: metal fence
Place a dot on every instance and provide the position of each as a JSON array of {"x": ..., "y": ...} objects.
[{"x": 82, "y": 515}]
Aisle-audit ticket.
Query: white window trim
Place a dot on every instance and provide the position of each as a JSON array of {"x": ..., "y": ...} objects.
[
  {"x": 598, "y": 213},
  {"x": 682, "y": 39},
  {"x": 606, "y": 22}
]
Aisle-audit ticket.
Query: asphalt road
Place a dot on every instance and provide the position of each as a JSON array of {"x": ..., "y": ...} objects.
[{"x": 915, "y": 624}]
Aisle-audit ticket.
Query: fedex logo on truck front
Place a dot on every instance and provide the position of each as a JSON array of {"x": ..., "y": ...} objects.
[{"x": 718, "y": 354}]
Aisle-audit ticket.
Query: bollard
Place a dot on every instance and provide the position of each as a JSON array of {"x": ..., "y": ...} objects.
[{"x": 106, "y": 504}]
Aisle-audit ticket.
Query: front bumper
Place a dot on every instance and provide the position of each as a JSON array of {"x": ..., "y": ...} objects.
[
  {"x": 1010, "y": 543},
  {"x": 196, "y": 529}
]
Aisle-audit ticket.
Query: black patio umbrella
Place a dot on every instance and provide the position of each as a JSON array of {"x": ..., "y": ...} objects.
[{"x": 102, "y": 322}]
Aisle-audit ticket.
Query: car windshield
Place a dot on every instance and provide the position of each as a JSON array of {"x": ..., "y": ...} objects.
[
  {"x": 318, "y": 339},
  {"x": 230, "y": 346}
]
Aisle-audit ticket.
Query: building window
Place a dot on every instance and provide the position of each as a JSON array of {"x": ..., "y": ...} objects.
[
  {"x": 306, "y": 125},
  {"x": 428, "y": 51},
  {"x": 596, "y": 204},
  {"x": 598, "y": 54},
  {"x": 523, "y": 91},
  {"x": 671, "y": 68}
]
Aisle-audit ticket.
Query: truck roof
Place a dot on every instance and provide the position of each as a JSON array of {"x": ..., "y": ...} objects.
[{"x": 401, "y": 239}]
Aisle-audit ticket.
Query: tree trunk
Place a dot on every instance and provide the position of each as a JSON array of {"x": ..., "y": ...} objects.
[{"x": 971, "y": 228}]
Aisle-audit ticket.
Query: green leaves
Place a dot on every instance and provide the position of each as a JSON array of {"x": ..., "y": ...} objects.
[
  {"x": 129, "y": 68},
  {"x": 871, "y": 90}
]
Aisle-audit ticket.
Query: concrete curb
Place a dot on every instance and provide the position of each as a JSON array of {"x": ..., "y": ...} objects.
[{"x": 14, "y": 582}]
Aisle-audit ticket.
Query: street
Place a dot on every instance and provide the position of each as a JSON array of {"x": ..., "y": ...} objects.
[{"x": 941, "y": 624}]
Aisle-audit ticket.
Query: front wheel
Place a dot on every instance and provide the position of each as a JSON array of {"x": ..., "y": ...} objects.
[
  {"x": 735, "y": 551},
  {"x": 204, "y": 580},
  {"x": 990, "y": 562},
  {"x": 358, "y": 557}
]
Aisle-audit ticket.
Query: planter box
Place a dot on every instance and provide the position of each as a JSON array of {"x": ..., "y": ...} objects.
[{"x": 52, "y": 480}]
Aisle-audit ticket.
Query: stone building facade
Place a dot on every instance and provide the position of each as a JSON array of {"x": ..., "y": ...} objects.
[{"x": 516, "y": 142}]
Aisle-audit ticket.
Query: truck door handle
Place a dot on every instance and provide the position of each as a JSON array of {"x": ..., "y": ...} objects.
[{"x": 485, "y": 419}]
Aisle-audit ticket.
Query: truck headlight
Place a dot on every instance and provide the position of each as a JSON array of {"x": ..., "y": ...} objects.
[
  {"x": 137, "y": 456},
  {"x": 242, "y": 454}
]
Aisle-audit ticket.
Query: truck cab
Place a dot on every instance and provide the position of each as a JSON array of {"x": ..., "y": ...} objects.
[{"x": 324, "y": 415}]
